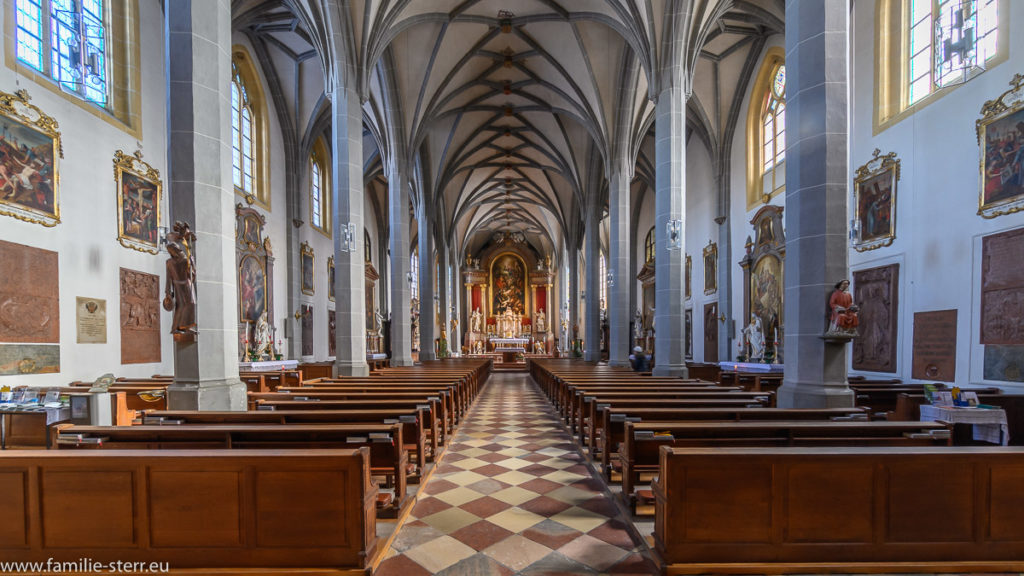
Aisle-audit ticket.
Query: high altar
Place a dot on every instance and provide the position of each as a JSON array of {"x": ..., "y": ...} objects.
[{"x": 507, "y": 300}]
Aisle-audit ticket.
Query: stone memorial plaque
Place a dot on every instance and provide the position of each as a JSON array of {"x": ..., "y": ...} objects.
[
  {"x": 140, "y": 317},
  {"x": 1004, "y": 363},
  {"x": 935, "y": 346},
  {"x": 29, "y": 303},
  {"x": 91, "y": 320},
  {"x": 307, "y": 330},
  {"x": 1002, "y": 288},
  {"x": 876, "y": 291}
]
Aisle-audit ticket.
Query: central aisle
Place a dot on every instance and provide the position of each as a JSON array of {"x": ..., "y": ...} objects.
[{"x": 513, "y": 495}]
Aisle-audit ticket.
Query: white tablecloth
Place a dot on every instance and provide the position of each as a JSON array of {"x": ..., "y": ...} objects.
[
  {"x": 268, "y": 366},
  {"x": 989, "y": 424},
  {"x": 750, "y": 367}
]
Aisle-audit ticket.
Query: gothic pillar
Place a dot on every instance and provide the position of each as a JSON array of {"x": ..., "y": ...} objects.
[
  {"x": 198, "y": 45},
  {"x": 619, "y": 248},
  {"x": 398, "y": 223},
  {"x": 574, "y": 295},
  {"x": 592, "y": 303},
  {"x": 349, "y": 267},
  {"x": 816, "y": 194},
  {"x": 670, "y": 206},
  {"x": 428, "y": 308}
]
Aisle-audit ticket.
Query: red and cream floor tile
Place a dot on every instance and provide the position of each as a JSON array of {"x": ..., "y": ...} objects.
[{"x": 513, "y": 495}]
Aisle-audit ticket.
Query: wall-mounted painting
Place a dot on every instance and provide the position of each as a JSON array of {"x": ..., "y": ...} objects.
[
  {"x": 138, "y": 202},
  {"x": 874, "y": 192},
  {"x": 689, "y": 276},
  {"x": 306, "y": 265},
  {"x": 330, "y": 278},
  {"x": 1001, "y": 137},
  {"x": 508, "y": 284},
  {"x": 711, "y": 268},
  {"x": 30, "y": 151}
]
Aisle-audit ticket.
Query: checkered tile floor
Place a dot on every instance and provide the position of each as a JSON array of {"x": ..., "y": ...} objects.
[{"x": 512, "y": 495}]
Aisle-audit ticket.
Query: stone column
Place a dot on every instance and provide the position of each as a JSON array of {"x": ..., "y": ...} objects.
[
  {"x": 574, "y": 294},
  {"x": 726, "y": 349},
  {"x": 198, "y": 56},
  {"x": 670, "y": 205},
  {"x": 428, "y": 307},
  {"x": 592, "y": 304},
  {"x": 349, "y": 267},
  {"x": 816, "y": 195},
  {"x": 442, "y": 295},
  {"x": 398, "y": 222},
  {"x": 619, "y": 248}
]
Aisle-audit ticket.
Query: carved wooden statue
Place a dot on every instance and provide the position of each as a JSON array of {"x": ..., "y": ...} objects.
[{"x": 180, "y": 291}]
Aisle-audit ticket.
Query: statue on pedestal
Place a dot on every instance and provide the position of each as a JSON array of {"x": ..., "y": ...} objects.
[
  {"x": 475, "y": 320},
  {"x": 180, "y": 288},
  {"x": 755, "y": 337},
  {"x": 843, "y": 320},
  {"x": 262, "y": 343},
  {"x": 541, "y": 324}
]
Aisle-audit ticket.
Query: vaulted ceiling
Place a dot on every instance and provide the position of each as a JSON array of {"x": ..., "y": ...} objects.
[{"x": 511, "y": 110}]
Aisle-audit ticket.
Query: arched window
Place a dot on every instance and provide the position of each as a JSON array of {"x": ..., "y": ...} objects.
[
  {"x": 602, "y": 281},
  {"x": 319, "y": 189},
  {"x": 766, "y": 131},
  {"x": 74, "y": 52},
  {"x": 414, "y": 269},
  {"x": 938, "y": 44},
  {"x": 248, "y": 131},
  {"x": 367, "y": 246},
  {"x": 649, "y": 246}
]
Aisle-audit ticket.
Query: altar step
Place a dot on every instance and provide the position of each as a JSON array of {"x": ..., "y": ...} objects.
[{"x": 509, "y": 367}]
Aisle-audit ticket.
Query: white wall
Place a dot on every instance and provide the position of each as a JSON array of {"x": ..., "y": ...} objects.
[
  {"x": 86, "y": 240},
  {"x": 700, "y": 202},
  {"x": 938, "y": 230}
]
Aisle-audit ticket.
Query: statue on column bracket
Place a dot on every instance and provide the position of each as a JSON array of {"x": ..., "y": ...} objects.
[
  {"x": 180, "y": 290},
  {"x": 843, "y": 320}
]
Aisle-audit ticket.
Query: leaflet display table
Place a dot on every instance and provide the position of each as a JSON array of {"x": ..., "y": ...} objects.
[
  {"x": 989, "y": 423},
  {"x": 268, "y": 366}
]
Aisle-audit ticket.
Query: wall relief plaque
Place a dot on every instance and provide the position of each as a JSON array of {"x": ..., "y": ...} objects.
[
  {"x": 935, "y": 346},
  {"x": 140, "y": 317},
  {"x": 876, "y": 291},
  {"x": 29, "y": 304},
  {"x": 1002, "y": 288}
]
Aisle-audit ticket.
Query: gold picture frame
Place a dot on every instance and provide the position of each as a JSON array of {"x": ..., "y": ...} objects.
[
  {"x": 330, "y": 278},
  {"x": 30, "y": 153},
  {"x": 711, "y": 268},
  {"x": 139, "y": 192},
  {"x": 307, "y": 269},
  {"x": 874, "y": 201},
  {"x": 1000, "y": 133}
]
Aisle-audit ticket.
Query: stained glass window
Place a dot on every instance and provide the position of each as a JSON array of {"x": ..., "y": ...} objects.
[
  {"x": 947, "y": 40},
  {"x": 649, "y": 246},
  {"x": 241, "y": 135},
  {"x": 414, "y": 268},
  {"x": 603, "y": 281},
  {"x": 316, "y": 194},
  {"x": 773, "y": 133},
  {"x": 76, "y": 45}
]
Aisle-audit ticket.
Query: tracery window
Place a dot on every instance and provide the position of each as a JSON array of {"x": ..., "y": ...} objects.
[
  {"x": 66, "y": 39},
  {"x": 602, "y": 272},
  {"x": 319, "y": 189},
  {"x": 773, "y": 133},
  {"x": 649, "y": 246},
  {"x": 414, "y": 269},
  {"x": 249, "y": 167}
]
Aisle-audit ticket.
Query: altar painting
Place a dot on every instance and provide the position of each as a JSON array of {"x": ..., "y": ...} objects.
[
  {"x": 252, "y": 288},
  {"x": 766, "y": 295},
  {"x": 508, "y": 284}
]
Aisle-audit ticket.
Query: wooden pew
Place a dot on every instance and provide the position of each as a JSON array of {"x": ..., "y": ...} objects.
[
  {"x": 640, "y": 448},
  {"x": 583, "y": 410},
  {"x": 413, "y": 421},
  {"x": 876, "y": 509},
  {"x": 395, "y": 406},
  {"x": 458, "y": 404},
  {"x": 595, "y": 406},
  {"x": 224, "y": 511},
  {"x": 440, "y": 405},
  {"x": 615, "y": 418},
  {"x": 574, "y": 391},
  {"x": 387, "y": 458}
]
